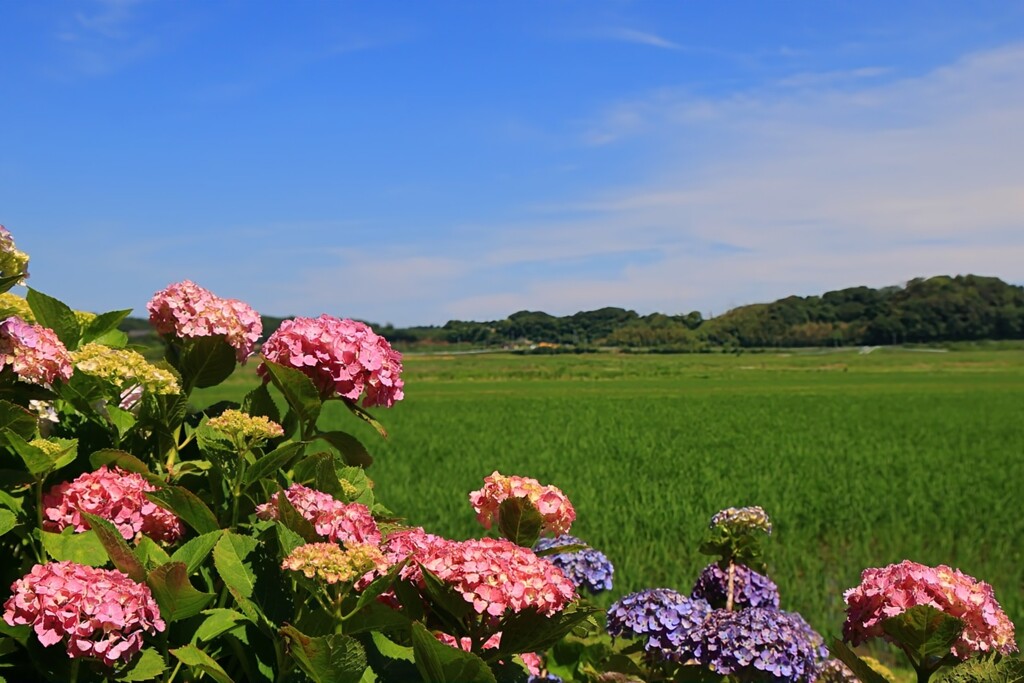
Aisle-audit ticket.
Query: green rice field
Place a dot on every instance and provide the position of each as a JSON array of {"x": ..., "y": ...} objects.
[{"x": 861, "y": 460}]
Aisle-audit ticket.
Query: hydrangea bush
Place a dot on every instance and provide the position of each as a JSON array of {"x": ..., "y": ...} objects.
[{"x": 146, "y": 540}]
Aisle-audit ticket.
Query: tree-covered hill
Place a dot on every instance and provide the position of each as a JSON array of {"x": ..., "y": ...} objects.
[{"x": 935, "y": 309}]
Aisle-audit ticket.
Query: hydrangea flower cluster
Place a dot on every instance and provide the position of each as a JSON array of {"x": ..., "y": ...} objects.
[
  {"x": 343, "y": 357},
  {"x": 186, "y": 310},
  {"x": 763, "y": 642},
  {"x": 555, "y": 509},
  {"x": 13, "y": 304},
  {"x": 240, "y": 426},
  {"x": 749, "y": 588},
  {"x": 332, "y": 519},
  {"x": 114, "y": 495},
  {"x": 587, "y": 568},
  {"x": 125, "y": 369},
  {"x": 330, "y": 563},
  {"x": 12, "y": 261},
  {"x": 662, "y": 618},
  {"x": 834, "y": 671},
  {"x": 735, "y": 519},
  {"x": 100, "y": 613},
  {"x": 890, "y": 591},
  {"x": 33, "y": 352},
  {"x": 496, "y": 575}
]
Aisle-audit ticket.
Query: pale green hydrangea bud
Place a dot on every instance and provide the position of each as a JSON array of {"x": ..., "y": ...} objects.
[
  {"x": 124, "y": 368},
  {"x": 50, "y": 448},
  {"x": 12, "y": 304},
  {"x": 12, "y": 261},
  {"x": 753, "y": 517},
  {"x": 330, "y": 563},
  {"x": 248, "y": 428}
]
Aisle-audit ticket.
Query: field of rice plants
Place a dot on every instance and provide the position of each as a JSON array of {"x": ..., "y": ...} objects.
[{"x": 861, "y": 460}]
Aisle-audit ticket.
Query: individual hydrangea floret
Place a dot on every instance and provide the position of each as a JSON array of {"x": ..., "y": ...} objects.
[
  {"x": 341, "y": 357},
  {"x": 766, "y": 644},
  {"x": 663, "y": 618},
  {"x": 128, "y": 371},
  {"x": 249, "y": 429},
  {"x": 186, "y": 310},
  {"x": 98, "y": 613},
  {"x": 749, "y": 588},
  {"x": 334, "y": 520},
  {"x": 890, "y": 591},
  {"x": 114, "y": 495},
  {"x": 331, "y": 563},
  {"x": 12, "y": 262},
  {"x": 495, "y": 575},
  {"x": 33, "y": 352},
  {"x": 556, "y": 511},
  {"x": 737, "y": 519},
  {"x": 588, "y": 569},
  {"x": 12, "y": 304}
]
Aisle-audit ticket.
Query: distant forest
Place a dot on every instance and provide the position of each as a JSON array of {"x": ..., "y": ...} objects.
[{"x": 925, "y": 310}]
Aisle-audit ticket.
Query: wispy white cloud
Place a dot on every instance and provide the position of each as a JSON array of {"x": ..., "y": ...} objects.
[
  {"x": 812, "y": 188},
  {"x": 630, "y": 35},
  {"x": 104, "y": 36}
]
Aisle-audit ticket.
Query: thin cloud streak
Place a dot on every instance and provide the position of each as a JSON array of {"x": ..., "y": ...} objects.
[{"x": 924, "y": 179}]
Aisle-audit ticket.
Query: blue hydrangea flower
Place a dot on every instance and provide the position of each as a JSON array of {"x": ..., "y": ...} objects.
[
  {"x": 749, "y": 588},
  {"x": 588, "y": 568},
  {"x": 759, "y": 643},
  {"x": 663, "y": 618},
  {"x": 546, "y": 678}
]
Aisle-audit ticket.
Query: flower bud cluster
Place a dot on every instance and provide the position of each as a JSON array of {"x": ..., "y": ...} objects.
[
  {"x": 341, "y": 357},
  {"x": 186, "y": 310},
  {"x": 555, "y": 509},
  {"x": 737, "y": 519},
  {"x": 749, "y": 588},
  {"x": 588, "y": 569},
  {"x": 13, "y": 304},
  {"x": 890, "y": 591},
  {"x": 33, "y": 352},
  {"x": 114, "y": 495},
  {"x": 332, "y": 519},
  {"x": 99, "y": 613},
  {"x": 125, "y": 369},
  {"x": 330, "y": 563},
  {"x": 12, "y": 261},
  {"x": 247, "y": 428}
]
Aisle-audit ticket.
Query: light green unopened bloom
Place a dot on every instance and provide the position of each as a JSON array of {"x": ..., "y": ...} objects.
[
  {"x": 124, "y": 368},
  {"x": 753, "y": 517},
  {"x": 250, "y": 429},
  {"x": 49, "y": 447},
  {"x": 84, "y": 318},
  {"x": 12, "y": 261},
  {"x": 12, "y": 304},
  {"x": 330, "y": 563}
]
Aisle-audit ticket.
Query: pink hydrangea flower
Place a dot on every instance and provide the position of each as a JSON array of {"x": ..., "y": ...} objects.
[
  {"x": 33, "y": 352},
  {"x": 555, "y": 509},
  {"x": 890, "y": 591},
  {"x": 495, "y": 575},
  {"x": 99, "y": 613},
  {"x": 342, "y": 357},
  {"x": 186, "y": 310},
  {"x": 332, "y": 519},
  {"x": 532, "y": 660},
  {"x": 114, "y": 495}
]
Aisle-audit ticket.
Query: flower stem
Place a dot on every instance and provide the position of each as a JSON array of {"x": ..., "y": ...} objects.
[{"x": 729, "y": 591}]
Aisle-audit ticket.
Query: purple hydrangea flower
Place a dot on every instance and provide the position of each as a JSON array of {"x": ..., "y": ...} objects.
[
  {"x": 749, "y": 588},
  {"x": 759, "y": 643},
  {"x": 587, "y": 568},
  {"x": 664, "y": 618}
]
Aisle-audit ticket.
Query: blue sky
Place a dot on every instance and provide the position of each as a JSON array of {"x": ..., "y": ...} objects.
[{"x": 415, "y": 162}]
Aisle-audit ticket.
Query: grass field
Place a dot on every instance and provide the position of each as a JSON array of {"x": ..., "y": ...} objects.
[{"x": 861, "y": 460}]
